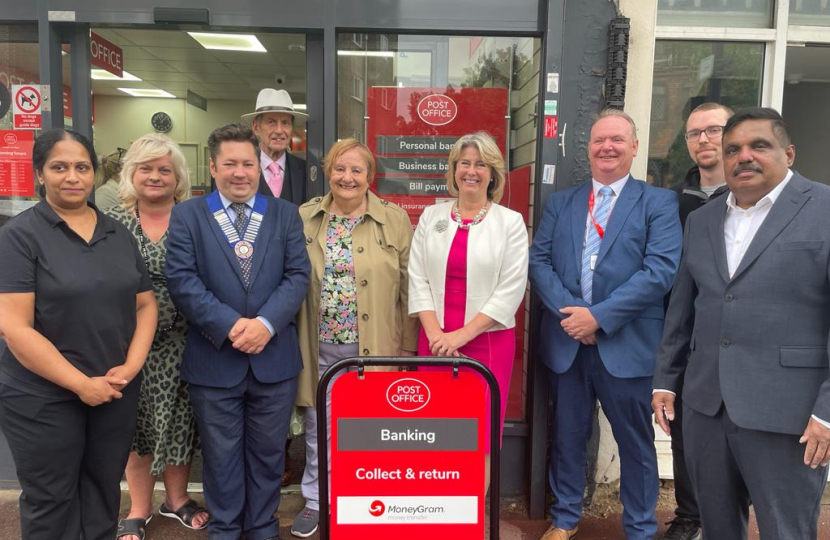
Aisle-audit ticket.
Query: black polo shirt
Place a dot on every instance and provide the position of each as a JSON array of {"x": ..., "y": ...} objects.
[{"x": 84, "y": 292}]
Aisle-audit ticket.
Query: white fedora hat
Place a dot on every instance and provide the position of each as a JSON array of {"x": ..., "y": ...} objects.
[{"x": 274, "y": 101}]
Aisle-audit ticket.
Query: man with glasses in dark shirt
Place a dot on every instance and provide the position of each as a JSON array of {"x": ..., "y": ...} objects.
[
  {"x": 706, "y": 179},
  {"x": 704, "y": 182}
]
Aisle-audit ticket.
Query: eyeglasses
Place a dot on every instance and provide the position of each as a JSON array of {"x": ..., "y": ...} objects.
[{"x": 712, "y": 132}]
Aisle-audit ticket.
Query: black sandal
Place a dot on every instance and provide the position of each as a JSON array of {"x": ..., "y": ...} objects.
[
  {"x": 185, "y": 514},
  {"x": 132, "y": 527}
]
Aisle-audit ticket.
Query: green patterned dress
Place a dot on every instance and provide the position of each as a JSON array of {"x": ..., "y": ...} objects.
[{"x": 166, "y": 428}]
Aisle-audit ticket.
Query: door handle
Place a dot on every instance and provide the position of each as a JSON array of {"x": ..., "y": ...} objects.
[{"x": 562, "y": 138}]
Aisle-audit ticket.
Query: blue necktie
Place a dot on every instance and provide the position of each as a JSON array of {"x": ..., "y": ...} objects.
[
  {"x": 240, "y": 224},
  {"x": 601, "y": 214}
]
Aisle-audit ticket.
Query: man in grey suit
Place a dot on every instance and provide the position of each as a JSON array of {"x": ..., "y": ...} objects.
[{"x": 747, "y": 331}]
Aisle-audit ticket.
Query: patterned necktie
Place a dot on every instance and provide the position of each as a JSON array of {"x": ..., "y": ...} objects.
[
  {"x": 593, "y": 242},
  {"x": 240, "y": 222},
  {"x": 276, "y": 179}
]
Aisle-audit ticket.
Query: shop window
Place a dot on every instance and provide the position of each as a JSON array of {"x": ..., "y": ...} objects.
[
  {"x": 729, "y": 13},
  {"x": 807, "y": 85},
  {"x": 18, "y": 69},
  {"x": 420, "y": 93},
  {"x": 810, "y": 12},
  {"x": 686, "y": 74},
  {"x": 175, "y": 64}
]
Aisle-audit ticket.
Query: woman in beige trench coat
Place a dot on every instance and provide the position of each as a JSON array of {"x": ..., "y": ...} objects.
[{"x": 356, "y": 304}]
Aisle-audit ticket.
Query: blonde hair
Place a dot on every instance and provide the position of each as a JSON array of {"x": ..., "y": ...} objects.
[
  {"x": 147, "y": 148},
  {"x": 608, "y": 113},
  {"x": 110, "y": 168},
  {"x": 341, "y": 147},
  {"x": 490, "y": 155}
]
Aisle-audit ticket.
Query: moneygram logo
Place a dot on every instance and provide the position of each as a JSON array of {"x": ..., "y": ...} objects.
[
  {"x": 408, "y": 510},
  {"x": 377, "y": 508}
]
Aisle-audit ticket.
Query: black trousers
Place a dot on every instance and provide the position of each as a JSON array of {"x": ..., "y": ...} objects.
[
  {"x": 70, "y": 458},
  {"x": 684, "y": 494},
  {"x": 731, "y": 466}
]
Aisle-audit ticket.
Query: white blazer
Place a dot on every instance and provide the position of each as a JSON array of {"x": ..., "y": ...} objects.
[{"x": 497, "y": 255}]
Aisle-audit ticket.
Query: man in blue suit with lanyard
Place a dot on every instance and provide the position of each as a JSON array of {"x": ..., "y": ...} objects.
[
  {"x": 237, "y": 269},
  {"x": 603, "y": 258}
]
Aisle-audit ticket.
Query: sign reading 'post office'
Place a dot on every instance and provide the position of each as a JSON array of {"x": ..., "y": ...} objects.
[
  {"x": 412, "y": 130},
  {"x": 407, "y": 458}
]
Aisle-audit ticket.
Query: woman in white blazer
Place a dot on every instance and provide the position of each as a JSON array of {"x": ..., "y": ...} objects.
[{"x": 468, "y": 265}]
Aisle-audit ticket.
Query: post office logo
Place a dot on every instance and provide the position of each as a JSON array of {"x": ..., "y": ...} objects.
[
  {"x": 437, "y": 109},
  {"x": 408, "y": 395}
]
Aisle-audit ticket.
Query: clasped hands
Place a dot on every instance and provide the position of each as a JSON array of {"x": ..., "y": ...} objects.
[
  {"x": 249, "y": 335},
  {"x": 99, "y": 390},
  {"x": 447, "y": 344},
  {"x": 580, "y": 324}
]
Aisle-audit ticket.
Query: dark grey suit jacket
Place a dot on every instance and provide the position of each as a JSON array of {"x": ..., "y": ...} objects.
[
  {"x": 294, "y": 183},
  {"x": 756, "y": 342}
]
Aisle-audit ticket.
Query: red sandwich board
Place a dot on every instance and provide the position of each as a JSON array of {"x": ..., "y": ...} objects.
[{"x": 407, "y": 451}]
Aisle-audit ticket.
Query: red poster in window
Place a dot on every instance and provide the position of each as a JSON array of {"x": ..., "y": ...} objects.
[
  {"x": 16, "y": 176},
  {"x": 411, "y": 132},
  {"x": 407, "y": 455}
]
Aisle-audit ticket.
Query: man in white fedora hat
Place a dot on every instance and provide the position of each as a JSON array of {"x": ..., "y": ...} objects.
[{"x": 283, "y": 175}]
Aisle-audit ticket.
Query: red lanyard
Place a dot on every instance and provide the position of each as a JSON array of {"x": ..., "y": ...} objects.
[{"x": 597, "y": 226}]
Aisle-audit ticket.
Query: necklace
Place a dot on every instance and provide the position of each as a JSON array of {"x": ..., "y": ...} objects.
[
  {"x": 143, "y": 242},
  {"x": 476, "y": 219}
]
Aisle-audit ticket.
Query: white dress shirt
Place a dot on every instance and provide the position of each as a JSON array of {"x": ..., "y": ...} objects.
[
  {"x": 249, "y": 209},
  {"x": 741, "y": 225}
]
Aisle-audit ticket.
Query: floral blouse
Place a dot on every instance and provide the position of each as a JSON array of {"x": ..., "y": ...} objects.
[{"x": 338, "y": 303}]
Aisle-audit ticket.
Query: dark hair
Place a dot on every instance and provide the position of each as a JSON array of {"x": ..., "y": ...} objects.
[
  {"x": 232, "y": 133},
  {"x": 47, "y": 141},
  {"x": 779, "y": 128}
]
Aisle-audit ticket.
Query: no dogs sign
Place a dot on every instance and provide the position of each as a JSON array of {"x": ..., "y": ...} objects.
[{"x": 27, "y": 103}]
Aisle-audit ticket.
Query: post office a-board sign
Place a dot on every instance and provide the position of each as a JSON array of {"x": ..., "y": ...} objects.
[{"x": 408, "y": 455}]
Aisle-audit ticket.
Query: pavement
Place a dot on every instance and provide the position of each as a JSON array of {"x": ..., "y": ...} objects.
[{"x": 601, "y": 520}]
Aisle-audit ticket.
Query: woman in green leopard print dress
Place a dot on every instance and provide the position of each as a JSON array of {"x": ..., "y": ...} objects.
[{"x": 154, "y": 178}]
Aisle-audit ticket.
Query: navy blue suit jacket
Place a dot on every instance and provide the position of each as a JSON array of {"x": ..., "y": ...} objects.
[
  {"x": 635, "y": 268},
  {"x": 205, "y": 283}
]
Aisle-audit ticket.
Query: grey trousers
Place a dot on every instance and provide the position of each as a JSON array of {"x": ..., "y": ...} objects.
[
  {"x": 731, "y": 466},
  {"x": 329, "y": 354}
]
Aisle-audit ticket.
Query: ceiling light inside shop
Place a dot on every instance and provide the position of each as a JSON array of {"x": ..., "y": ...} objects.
[
  {"x": 228, "y": 42},
  {"x": 104, "y": 75},
  {"x": 382, "y": 54},
  {"x": 147, "y": 92},
  {"x": 300, "y": 106}
]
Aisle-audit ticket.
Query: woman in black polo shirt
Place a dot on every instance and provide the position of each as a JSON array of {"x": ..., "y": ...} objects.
[{"x": 78, "y": 314}]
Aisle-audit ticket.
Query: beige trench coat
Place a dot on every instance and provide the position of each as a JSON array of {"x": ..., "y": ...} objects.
[{"x": 380, "y": 247}]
